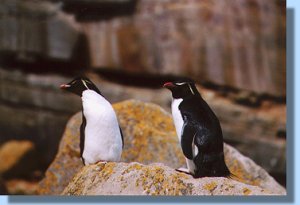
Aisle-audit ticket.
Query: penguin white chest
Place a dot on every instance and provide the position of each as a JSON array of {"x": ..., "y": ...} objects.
[
  {"x": 177, "y": 117},
  {"x": 103, "y": 141},
  {"x": 178, "y": 121}
]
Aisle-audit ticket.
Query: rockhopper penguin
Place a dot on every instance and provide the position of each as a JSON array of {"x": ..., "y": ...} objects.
[
  {"x": 198, "y": 130},
  {"x": 101, "y": 137}
]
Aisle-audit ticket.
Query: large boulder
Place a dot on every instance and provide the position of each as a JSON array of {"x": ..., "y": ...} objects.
[
  {"x": 155, "y": 179},
  {"x": 149, "y": 138}
]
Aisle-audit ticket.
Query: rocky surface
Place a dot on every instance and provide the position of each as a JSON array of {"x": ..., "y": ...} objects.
[
  {"x": 155, "y": 179},
  {"x": 180, "y": 37},
  {"x": 200, "y": 39},
  {"x": 18, "y": 159},
  {"x": 21, "y": 186},
  {"x": 34, "y": 108},
  {"x": 31, "y": 30},
  {"x": 149, "y": 137}
]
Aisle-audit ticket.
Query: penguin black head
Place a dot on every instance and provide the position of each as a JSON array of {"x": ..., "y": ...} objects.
[
  {"x": 80, "y": 84},
  {"x": 182, "y": 88}
]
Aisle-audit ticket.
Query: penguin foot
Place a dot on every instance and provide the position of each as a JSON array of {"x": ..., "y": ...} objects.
[
  {"x": 102, "y": 161},
  {"x": 183, "y": 170}
]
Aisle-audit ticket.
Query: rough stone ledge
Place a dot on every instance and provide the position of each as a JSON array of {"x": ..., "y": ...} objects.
[{"x": 154, "y": 179}]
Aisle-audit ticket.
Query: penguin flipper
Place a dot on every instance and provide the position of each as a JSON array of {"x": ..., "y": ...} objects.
[{"x": 187, "y": 138}]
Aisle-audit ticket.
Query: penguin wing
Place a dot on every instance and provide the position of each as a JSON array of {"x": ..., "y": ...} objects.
[
  {"x": 187, "y": 138},
  {"x": 82, "y": 136},
  {"x": 122, "y": 137}
]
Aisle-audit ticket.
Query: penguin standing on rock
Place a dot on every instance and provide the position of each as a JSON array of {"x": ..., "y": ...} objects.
[
  {"x": 198, "y": 130},
  {"x": 101, "y": 137}
]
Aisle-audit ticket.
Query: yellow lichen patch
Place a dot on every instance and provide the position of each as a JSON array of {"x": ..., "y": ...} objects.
[
  {"x": 107, "y": 170},
  {"x": 149, "y": 134},
  {"x": 240, "y": 174},
  {"x": 133, "y": 167},
  {"x": 154, "y": 181},
  {"x": 176, "y": 186},
  {"x": 210, "y": 186},
  {"x": 246, "y": 191}
]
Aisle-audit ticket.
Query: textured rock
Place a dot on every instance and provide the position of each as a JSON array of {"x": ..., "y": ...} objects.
[
  {"x": 17, "y": 159},
  {"x": 21, "y": 187},
  {"x": 36, "y": 29},
  {"x": 204, "y": 39},
  {"x": 154, "y": 179},
  {"x": 149, "y": 137},
  {"x": 34, "y": 108}
]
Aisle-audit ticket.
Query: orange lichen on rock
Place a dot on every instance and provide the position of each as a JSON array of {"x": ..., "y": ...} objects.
[
  {"x": 210, "y": 186},
  {"x": 246, "y": 191},
  {"x": 149, "y": 134}
]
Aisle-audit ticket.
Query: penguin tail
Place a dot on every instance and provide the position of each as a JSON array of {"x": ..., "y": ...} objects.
[{"x": 233, "y": 177}]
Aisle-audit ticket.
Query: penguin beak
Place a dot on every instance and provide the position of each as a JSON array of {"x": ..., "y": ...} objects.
[
  {"x": 169, "y": 85},
  {"x": 65, "y": 86}
]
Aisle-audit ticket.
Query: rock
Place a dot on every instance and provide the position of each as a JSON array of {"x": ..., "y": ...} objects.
[
  {"x": 149, "y": 137},
  {"x": 33, "y": 107},
  {"x": 18, "y": 159},
  {"x": 154, "y": 179},
  {"x": 199, "y": 39},
  {"x": 98, "y": 9},
  {"x": 21, "y": 187},
  {"x": 245, "y": 170},
  {"x": 32, "y": 30},
  {"x": 3, "y": 190}
]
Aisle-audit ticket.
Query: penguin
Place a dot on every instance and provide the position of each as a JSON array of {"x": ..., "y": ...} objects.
[
  {"x": 101, "y": 137},
  {"x": 198, "y": 130}
]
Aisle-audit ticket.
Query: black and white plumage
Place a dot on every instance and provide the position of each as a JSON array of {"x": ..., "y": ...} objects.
[
  {"x": 198, "y": 130},
  {"x": 101, "y": 137}
]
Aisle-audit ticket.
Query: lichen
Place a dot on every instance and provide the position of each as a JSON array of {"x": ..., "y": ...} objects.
[
  {"x": 106, "y": 170},
  {"x": 149, "y": 134},
  {"x": 246, "y": 191},
  {"x": 241, "y": 175},
  {"x": 210, "y": 186}
]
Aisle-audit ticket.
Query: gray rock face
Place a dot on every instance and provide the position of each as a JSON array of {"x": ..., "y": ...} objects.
[
  {"x": 212, "y": 41},
  {"x": 180, "y": 37},
  {"x": 34, "y": 108},
  {"x": 153, "y": 179},
  {"x": 36, "y": 29}
]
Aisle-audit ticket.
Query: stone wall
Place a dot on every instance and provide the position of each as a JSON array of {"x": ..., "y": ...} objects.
[{"x": 240, "y": 44}]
